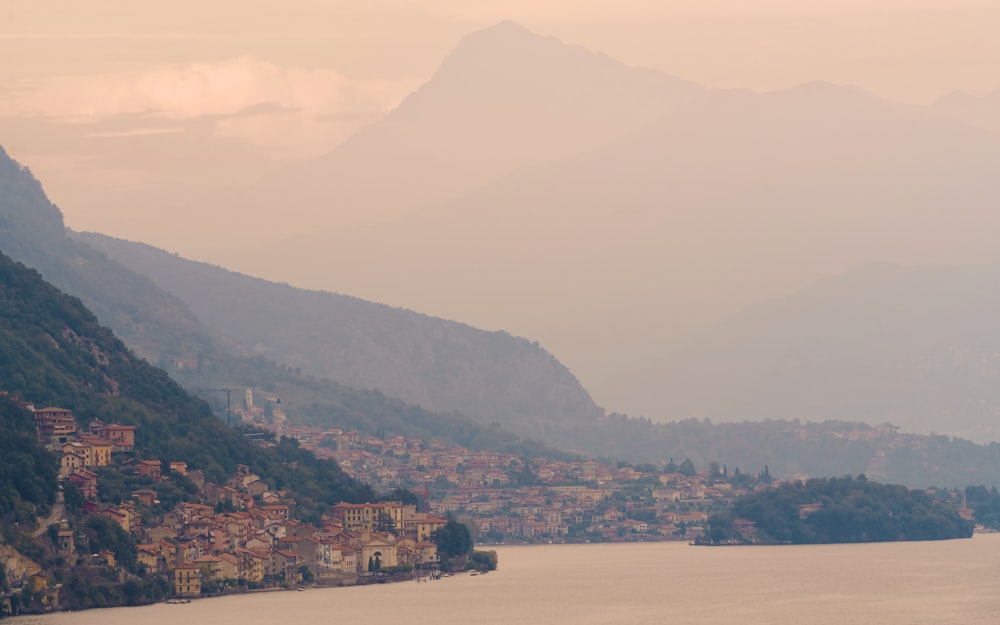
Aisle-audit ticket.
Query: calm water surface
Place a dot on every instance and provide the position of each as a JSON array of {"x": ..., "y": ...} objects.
[{"x": 877, "y": 584}]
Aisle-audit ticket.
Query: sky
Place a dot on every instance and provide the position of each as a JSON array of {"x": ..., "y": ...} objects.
[
  {"x": 292, "y": 80},
  {"x": 91, "y": 92}
]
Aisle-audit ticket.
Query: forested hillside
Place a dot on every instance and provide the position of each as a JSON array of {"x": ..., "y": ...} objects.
[
  {"x": 838, "y": 510},
  {"x": 27, "y": 469},
  {"x": 55, "y": 353}
]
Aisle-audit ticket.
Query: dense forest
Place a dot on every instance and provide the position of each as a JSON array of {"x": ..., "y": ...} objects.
[
  {"x": 837, "y": 510},
  {"x": 27, "y": 469}
]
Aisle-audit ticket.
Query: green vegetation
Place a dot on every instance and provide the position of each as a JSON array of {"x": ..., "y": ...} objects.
[
  {"x": 27, "y": 469},
  {"x": 453, "y": 540},
  {"x": 454, "y": 543},
  {"x": 54, "y": 352},
  {"x": 986, "y": 505},
  {"x": 837, "y": 510},
  {"x": 483, "y": 560}
]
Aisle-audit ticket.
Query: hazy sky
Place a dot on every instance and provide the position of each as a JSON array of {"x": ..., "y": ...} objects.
[
  {"x": 125, "y": 110},
  {"x": 344, "y": 61}
]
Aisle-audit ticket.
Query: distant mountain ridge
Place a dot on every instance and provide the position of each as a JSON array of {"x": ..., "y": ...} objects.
[
  {"x": 916, "y": 346},
  {"x": 489, "y": 377},
  {"x": 440, "y": 365},
  {"x": 790, "y": 447},
  {"x": 503, "y": 99},
  {"x": 619, "y": 255}
]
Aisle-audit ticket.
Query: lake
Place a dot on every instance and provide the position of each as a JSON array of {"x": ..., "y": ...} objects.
[{"x": 913, "y": 583}]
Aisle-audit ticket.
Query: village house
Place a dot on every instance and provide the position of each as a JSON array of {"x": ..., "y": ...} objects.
[
  {"x": 86, "y": 481},
  {"x": 251, "y": 565},
  {"x": 187, "y": 580},
  {"x": 149, "y": 468},
  {"x": 284, "y": 565},
  {"x": 179, "y": 468},
  {"x": 148, "y": 556},
  {"x": 70, "y": 462},
  {"x": 100, "y": 454},
  {"x": 122, "y": 437},
  {"x": 65, "y": 540}
]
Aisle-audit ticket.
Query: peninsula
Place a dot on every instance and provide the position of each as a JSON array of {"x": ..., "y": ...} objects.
[{"x": 836, "y": 510}]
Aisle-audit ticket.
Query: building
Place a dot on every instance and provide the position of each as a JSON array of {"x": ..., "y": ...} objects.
[
  {"x": 378, "y": 551},
  {"x": 371, "y": 517},
  {"x": 187, "y": 580},
  {"x": 122, "y": 437},
  {"x": 66, "y": 542},
  {"x": 100, "y": 452},
  {"x": 420, "y": 526},
  {"x": 149, "y": 468},
  {"x": 284, "y": 565},
  {"x": 55, "y": 425},
  {"x": 86, "y": 481}
]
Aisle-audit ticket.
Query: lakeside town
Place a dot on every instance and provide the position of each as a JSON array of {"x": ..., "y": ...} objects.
[{"x": 202, "y": 538}]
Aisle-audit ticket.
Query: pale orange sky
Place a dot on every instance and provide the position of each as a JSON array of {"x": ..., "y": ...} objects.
[
  {"x": 903, "y": 49},
  {"x": 94, "y": 93}
]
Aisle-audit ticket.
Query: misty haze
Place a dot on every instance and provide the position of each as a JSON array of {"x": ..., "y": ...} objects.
[{"x": 654, "y": 269}]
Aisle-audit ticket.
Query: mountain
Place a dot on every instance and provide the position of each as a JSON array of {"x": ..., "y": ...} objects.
[
  {"x": 56, "y": 353},
  {"x": 505, "y": 98},
  {"x": 617, "y": 257},
  {"x": 440, "y": 365},
  {"x": 916, "y": 346},
  {"x": 95, "y": 376},
  {"x": 162, "y": 329},
  {"x": 980, "y": 111}
]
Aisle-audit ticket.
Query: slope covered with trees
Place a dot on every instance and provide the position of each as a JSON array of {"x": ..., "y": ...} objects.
[
  {"x": 54, "y": 352},
  {"x": 27, "y": 469},
  {"x": 837, "y": 510}
]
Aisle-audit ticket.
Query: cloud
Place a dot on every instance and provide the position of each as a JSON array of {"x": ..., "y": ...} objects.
[
  {"x": 135, "y": 132},
  {"x": 261, "y": 102}
]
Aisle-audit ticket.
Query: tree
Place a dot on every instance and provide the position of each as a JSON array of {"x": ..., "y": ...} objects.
[
  {"x": 714, "y": 471},
  {"x": 484, "y": 560},
  {"x": 687, "y": 468},
  {"x": 384, "y": 523},
  {"x": 453, "y": 539},
  {"x": 306, "y": 575},
  {"x": 402, "y": 495}
]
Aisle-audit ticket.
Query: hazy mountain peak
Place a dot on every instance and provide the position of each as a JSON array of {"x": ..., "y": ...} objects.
[
  {"x": 508, "y": 65},
  {"x": 501, "y": 31},
  {"x": 504, "y": 37},
  {"x": 503, "y": 99},
  {"x": 982, "y": 111}
]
